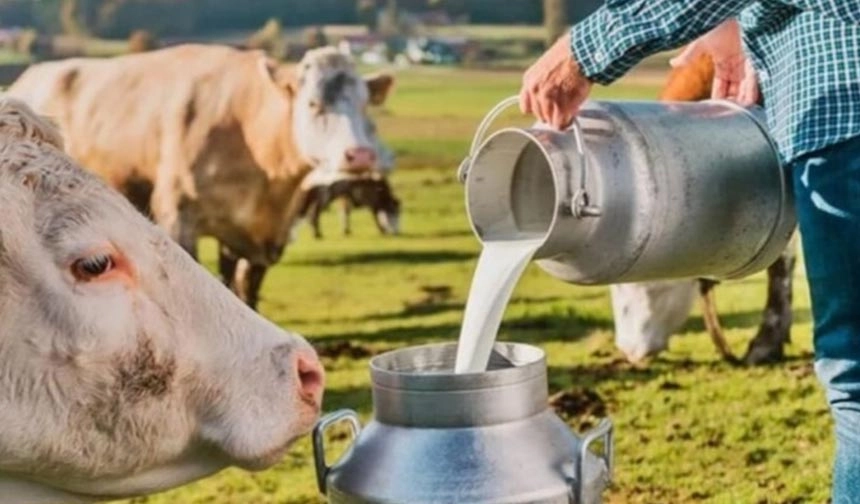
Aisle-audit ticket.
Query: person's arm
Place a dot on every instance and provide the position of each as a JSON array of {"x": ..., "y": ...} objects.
[
  {"x": 621, "y": 33},
  {"x": 605, "y": 45}
]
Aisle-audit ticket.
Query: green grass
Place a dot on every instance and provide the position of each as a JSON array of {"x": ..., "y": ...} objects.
[
  {"x": 689, "y": 427},
  {"x": 432, "y": 114}
]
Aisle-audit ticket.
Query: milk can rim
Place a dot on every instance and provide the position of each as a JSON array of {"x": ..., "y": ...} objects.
[
  {"x": 533, "y": 367},
  {"x": 529, "y": 134}
]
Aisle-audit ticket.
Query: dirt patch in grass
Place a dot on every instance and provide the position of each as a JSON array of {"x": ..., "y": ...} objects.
[
  {"x": 348, "y": 349},
  {"x": 580, "y": 406}
]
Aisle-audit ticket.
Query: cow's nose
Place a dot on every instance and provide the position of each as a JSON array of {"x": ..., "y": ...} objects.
[
  {"x": 310, "y": 376},
  {"x": 360, "y": 158}
]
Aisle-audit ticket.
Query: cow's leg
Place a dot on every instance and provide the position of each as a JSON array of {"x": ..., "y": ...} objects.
[
  {"x": 187, "y": 233},
  {"x": 314, "y": 212},
  {"x": 247, "y": 281},
  {"x": 171, "y": 210},
  {"x": 775, "y": 329},
  {"x": 712, "y": 320},
  {"x": 241, "y": 276},
  {"x": 227, "y": 262},
  {"x": 378, "y": 216},
  {"x": 178, "y": 222},
  {"x": 345, "y": 210}
]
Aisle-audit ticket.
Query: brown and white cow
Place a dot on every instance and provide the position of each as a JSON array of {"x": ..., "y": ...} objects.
[
  {"x": 211, "y": 140},
  {"x": 646, "y": 314},
  {"x": 125, "y": 368}
]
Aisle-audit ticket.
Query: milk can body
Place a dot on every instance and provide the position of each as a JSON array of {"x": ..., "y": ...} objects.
[
  {"x": 481, "y": 438},
  {"x": 637, "y": 191}
]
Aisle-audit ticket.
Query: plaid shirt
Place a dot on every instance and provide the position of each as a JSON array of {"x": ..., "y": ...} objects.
[{"x": 806, "y": 54}]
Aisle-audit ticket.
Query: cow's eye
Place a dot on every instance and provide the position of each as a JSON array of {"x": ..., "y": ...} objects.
[{"x": 91, "y": 267}]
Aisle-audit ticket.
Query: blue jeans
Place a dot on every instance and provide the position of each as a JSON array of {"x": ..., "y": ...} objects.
[{"x": 827, "y": 189}]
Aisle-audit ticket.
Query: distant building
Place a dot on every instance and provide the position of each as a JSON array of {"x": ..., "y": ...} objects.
[{"x": 369, "y": 48}]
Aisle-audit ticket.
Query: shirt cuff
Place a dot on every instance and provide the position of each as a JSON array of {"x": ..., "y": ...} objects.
[{"x": 592, "y": 49}]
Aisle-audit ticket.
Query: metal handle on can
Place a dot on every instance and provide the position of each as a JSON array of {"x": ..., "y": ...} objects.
[
  {"x": 602, "y": 431},
  {"x": 580, "y": 203},
  {"x": 324, "y": 423}
]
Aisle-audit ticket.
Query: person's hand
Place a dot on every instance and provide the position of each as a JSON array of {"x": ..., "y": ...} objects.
[
  {"x": 553, "y": 87},
  {"x": 734, "y": 77},
  {"x": 748, "y": 92}
]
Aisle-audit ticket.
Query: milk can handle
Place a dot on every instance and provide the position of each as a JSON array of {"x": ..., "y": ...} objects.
[
  {"x": 580, "y": 203},
  {"x": 602, "y": 431},
  {"x": 325, "y": 422}
]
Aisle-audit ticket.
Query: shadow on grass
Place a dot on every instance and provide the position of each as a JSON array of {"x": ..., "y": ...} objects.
[
  {"x": 598, "y": 371},
  {"x": 449, "y": 233},
  {"x": 356, "y": 398},
  {"x": 429, "y": 306},
  {"x": 387, "y": 256},
  {"x": 568, "y": 327},
  {"x": 749, "y": 319},
  {"x": 594, "y": 373},
  {"x": 415, "y": 310}
]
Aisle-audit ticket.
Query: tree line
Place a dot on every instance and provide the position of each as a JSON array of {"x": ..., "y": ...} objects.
[{"x": 119, "y": 18}]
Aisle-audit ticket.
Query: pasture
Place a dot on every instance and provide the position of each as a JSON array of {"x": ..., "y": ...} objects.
[{"x": 689, "y": 427}]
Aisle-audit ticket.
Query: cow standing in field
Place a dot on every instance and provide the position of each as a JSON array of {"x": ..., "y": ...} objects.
[
  {"x": 372, "y": 191},
  {"x": 125, "y": 368},
  {"x": 646, "y": 314},
  {"x": 214, "y": 141}
]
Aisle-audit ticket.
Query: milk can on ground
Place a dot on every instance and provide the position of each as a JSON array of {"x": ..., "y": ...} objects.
[{"x": 481, "y": 438}]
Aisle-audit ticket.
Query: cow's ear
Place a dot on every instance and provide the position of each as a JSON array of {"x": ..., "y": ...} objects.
[
  {"x": 282, "y": 76},
  {"x": 18, "y": 120},
  {"x": 378, "y": 86}
]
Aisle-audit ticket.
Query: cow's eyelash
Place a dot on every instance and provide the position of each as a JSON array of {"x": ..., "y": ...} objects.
[{"x": 92, "y": 266}]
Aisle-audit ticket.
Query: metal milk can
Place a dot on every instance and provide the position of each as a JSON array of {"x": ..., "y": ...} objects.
[
  {"x": 635, "y": 191},
  {"x": 480, "y": 438}
]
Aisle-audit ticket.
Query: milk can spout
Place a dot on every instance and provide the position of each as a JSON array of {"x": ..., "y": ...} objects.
[{"x": 581, "y": 204}]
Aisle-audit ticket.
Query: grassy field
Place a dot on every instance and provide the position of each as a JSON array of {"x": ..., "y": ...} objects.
[{"x": 689, "y": 427}]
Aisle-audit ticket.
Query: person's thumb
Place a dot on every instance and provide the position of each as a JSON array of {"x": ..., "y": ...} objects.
[{"x": 690, "y": 53}]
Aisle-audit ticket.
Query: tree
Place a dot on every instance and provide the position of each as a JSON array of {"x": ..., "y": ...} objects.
[
  {"x": 70, "y": 18},
  {"x": 554, "y": 19},
  {"x": 390, "y": 22}
]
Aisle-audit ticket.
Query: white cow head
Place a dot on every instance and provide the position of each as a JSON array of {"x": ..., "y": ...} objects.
[
  {"x": 329, "y": 102},
  {"x": 647, "y": 313},
  {"x": 125, "y": 368},
  {"x": 329, "y": 115}
]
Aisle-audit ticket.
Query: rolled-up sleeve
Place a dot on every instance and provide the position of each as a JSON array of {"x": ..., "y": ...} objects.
[{"x": 621, "y": 33}]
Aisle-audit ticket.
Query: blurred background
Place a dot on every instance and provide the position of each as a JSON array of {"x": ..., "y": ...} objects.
[
  {"x": 472, "y": 33},
  {"x": 354, "y": 296}
]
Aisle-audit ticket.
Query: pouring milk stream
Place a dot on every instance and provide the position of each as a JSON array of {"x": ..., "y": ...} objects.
[
  {"x": 507, "y": 251},
  {"x": 499, "y": 267}
]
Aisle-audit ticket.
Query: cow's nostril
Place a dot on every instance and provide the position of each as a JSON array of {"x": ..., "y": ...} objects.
[
  {"x": 311, "y": 377},
  {"x": 360, "y": 157}
]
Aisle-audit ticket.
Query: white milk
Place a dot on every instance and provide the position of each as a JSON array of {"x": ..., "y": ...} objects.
[{"x": 499, "y": 267}]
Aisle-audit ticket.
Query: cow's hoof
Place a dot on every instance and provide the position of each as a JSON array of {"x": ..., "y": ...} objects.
[
  {"x": 763, "y": 355},
  {"x": 763, "y": 350}
]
